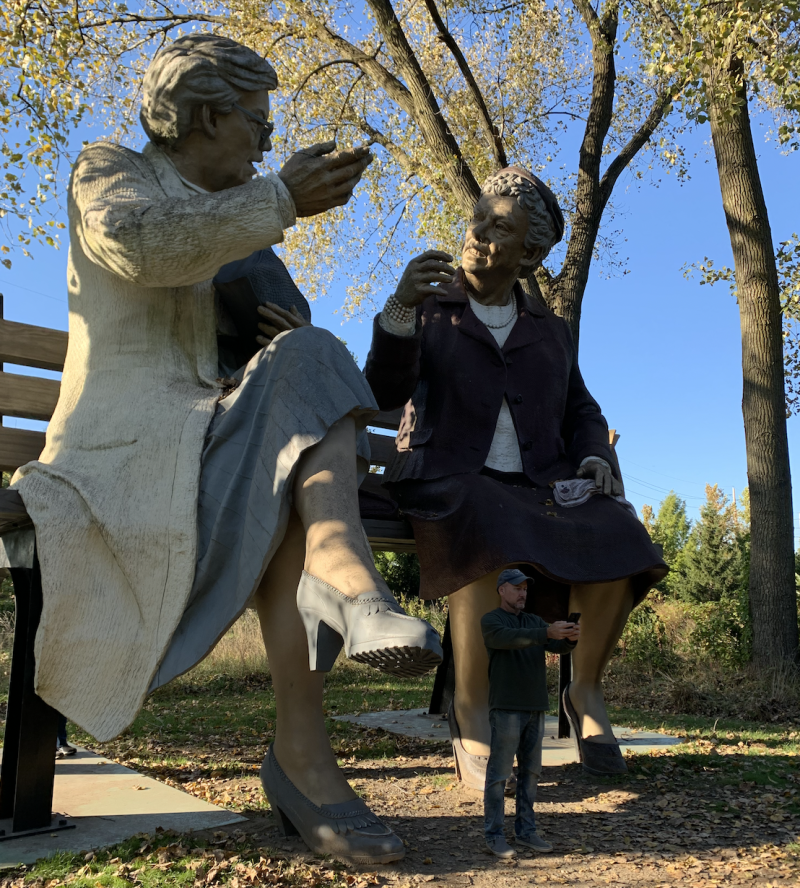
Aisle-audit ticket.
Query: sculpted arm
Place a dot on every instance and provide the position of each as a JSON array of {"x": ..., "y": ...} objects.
[{"x": 129, "y": 227}]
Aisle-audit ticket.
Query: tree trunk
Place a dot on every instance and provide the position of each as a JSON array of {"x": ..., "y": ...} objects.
[{"x": 773, "y": 603}]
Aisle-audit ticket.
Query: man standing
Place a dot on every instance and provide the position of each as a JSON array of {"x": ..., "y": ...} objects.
[{"x": 518, "y": 700}]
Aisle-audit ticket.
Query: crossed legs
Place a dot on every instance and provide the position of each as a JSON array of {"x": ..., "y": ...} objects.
[{"x": 324, "y": 536}]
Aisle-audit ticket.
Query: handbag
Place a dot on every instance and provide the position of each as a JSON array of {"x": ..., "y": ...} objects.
[{"x": 244, "y": 285}]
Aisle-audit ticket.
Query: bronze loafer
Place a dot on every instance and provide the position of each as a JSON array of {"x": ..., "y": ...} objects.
[{"x": 598, "y": 759}]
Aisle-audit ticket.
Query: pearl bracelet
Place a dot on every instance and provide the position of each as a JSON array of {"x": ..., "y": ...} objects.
[{"x": 398, "y": 312}]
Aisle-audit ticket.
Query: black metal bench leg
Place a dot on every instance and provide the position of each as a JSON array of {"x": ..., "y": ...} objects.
[
  {"x": 564, "y": 678},
  {"x": 28, "y": 769},
  {"x": 444, "y": 682}
]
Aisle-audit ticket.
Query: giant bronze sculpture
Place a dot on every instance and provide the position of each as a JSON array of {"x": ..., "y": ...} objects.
[
  {"x": 174, "y": 488},
  {"x": 504, "y": 459}
]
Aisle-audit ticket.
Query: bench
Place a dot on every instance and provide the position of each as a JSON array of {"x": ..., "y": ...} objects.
[{"x": 28, "y": 766}]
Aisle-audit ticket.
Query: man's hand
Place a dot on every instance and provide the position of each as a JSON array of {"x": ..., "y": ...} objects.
[
  {"x": 421, "y": 274},
  {"x": 320, "y": 178},
  {"x": 562, "y": 629},
  {"x": 279, "y": 320},
  {"x": 603, "y": 478}
]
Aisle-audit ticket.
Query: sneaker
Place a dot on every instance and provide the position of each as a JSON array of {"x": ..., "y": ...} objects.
[
  {"x": 500, "y": 848},
  {"x": 535, "y": 842},
  {"x": 65, "y": 750}
]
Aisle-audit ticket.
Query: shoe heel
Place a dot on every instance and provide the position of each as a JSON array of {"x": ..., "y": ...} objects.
[
  {"x": 324, "y": 643},
  {"x": 455, "y": 759},
  {"x": 285, "y": 826}
]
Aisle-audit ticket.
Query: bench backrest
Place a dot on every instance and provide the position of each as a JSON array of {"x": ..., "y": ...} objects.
[
  {"x": 31, "y": 397},
  {"x": 27, "y": 397}
]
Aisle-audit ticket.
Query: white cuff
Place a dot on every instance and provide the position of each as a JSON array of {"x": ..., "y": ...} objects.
[
  {"x": 596, "y": 459},
  {"x": 286, "y": 205}
]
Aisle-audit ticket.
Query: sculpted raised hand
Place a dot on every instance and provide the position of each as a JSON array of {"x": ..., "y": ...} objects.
[
  {"x": 421, "y": 275},
  {"x": 320, "y": 177}
]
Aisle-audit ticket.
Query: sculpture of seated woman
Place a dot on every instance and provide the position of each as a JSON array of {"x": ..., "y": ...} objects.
[
  {"x": 496, "y": 412},
  {"x": 164, "y": 502}
]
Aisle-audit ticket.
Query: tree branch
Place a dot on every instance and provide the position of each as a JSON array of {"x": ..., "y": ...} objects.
[
  {"x": 426, "y": 112},
  {"x": 490, "y": 130},
  {"x": 658, "y": 110}
]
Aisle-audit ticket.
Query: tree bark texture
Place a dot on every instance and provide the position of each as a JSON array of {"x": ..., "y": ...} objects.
[{"x": 773, "y": 603}]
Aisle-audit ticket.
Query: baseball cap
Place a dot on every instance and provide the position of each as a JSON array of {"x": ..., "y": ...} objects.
[{"x": 513, "y": 576}]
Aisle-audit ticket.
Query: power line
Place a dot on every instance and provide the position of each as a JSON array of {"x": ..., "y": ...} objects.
[{"x": 37, "y": 292}]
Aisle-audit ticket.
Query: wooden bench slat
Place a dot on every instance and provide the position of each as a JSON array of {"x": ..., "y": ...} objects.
[
  {"x": 29, "y": 397},
  {"x": 389, "y": 535},
  {"x": 13, "y": 513},
  {"x": 32, "y": 346},
  {"x": 19, "y": 446},
  {"x": 388, "y": 419}
]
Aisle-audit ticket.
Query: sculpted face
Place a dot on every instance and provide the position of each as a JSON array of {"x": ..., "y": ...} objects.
[
  {"x": 494, "y": 245},
  {"x": 237, "y": 136}
]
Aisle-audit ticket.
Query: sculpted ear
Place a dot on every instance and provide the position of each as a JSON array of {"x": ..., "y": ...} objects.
[
  {"x": 531, "y": 259},
  {"x": 206, "y": 121}
]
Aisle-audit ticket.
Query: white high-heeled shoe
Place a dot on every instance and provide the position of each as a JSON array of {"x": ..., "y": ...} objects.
[{"x": 372, "y": 628}]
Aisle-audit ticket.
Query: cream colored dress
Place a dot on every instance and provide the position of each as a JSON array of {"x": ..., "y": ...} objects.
[{"x": 114, "y": 494}]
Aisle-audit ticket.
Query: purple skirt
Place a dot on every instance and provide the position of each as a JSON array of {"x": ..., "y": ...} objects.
[{"x": 467, "y": 526}]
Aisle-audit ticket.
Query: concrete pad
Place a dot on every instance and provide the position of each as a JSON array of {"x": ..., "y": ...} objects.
[
  {"x": 109, "y": 803},
  {"x": 418, "y": 723}
]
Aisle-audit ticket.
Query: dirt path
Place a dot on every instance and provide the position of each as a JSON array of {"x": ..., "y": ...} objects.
[{"x": 667, "y": 824}]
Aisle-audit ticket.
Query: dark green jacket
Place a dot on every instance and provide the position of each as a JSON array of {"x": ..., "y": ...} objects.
[{"x": 517, "y": 673}]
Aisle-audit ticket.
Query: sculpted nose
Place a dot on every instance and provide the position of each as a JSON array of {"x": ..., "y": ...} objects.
[{"x": 479, "y": 231}]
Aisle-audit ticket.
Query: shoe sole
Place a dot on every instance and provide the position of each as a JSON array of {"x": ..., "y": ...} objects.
[{"x": 403, "y": 662}]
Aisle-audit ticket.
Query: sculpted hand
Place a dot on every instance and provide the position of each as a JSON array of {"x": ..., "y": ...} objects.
[
  {"x": 421, "y": 274},
  {"x": 279, "y": 320},
  {"x": 599, "y": 470},
  {"x": 562, "y": 629},
  {"x": 320, "y": 178}
]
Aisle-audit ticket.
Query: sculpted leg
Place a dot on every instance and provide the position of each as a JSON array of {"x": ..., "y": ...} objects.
[
  {"x": 339, "y": 568},
  {"x": 326, "y": 499},
  {"x": 604, "y": 609},
  {"x": 471, "y": 661},
  {"x": 301, "y": 742}
]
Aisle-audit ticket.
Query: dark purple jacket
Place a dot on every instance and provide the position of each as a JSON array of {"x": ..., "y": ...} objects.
[{"x": 453, "y": 375}]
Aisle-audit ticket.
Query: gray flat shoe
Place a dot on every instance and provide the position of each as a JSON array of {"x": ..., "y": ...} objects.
[
  {"x": 598, "y": 759},
  {"x": 535, "y": 842},
  {"x": 372, "y": 627},
  {"x": 500, "y": 848},
  {"x": 347, "y": 830}
]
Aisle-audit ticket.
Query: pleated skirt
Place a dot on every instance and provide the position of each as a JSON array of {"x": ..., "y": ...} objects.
[{"x": 291, "y": 393}]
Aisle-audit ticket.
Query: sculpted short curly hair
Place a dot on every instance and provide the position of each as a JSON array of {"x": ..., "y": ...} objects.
[
  {"x": 542, "y": 231},
  {"x": 199, "y": 69}
]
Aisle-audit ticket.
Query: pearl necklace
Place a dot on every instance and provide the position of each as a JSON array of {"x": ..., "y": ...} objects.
[{"x": 507, "y": 321}]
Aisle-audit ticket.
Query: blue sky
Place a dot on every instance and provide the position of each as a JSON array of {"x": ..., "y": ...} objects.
[{"x": 661, "y": 354}]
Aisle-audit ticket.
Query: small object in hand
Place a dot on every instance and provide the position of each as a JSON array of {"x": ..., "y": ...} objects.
[
  {"x": 573, "y": 618},
  {"x": 65, "y": 750}
]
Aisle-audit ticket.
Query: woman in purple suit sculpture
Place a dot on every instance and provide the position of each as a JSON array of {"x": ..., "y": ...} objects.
[{"x": 496, "y": 412}]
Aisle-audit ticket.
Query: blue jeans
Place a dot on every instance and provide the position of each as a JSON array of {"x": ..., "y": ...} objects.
[{"x": 513, "y": 732}]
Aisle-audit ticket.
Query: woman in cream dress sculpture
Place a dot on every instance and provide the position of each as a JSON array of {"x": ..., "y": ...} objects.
[{"x": 163, "y": 502}]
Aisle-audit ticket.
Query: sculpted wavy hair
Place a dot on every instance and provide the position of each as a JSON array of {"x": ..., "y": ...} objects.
[
  {"x": 542, "y": 231},
  {"x": 199, "y": 69}
]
